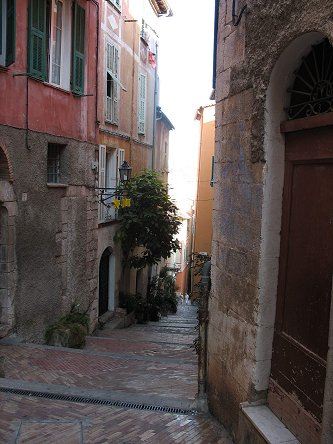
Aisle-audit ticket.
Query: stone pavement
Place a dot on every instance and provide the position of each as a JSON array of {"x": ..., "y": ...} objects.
[{"x": 128, "y": 386}]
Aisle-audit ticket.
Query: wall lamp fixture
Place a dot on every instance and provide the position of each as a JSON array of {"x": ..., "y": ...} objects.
[{"x": 110, "y": 196}]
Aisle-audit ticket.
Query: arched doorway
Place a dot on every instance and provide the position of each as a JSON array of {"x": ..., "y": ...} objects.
[
  {"x": 296, "y": 269},
  {"x": 8, "y": 212},
  {"x": 106, "y": 282}
]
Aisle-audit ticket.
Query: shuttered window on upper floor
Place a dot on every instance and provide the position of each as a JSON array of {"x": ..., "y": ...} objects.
[{"x": 56, "y": 43}]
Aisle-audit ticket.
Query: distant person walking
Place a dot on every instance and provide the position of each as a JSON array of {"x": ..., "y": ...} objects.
[
  {"x": 187, "y": 299},
  {"x": 181, "y": 298}
]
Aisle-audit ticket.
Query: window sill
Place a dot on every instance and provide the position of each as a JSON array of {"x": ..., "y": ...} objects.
[
  {"x": 4, "y": 68},
  {"x": 53, "y": 86},
  {"x": 102, "y": 224},
  {"x": 56, "y": 185},
  {"x": 59, "y": 88},
  {"x": 110, "y": 122}
]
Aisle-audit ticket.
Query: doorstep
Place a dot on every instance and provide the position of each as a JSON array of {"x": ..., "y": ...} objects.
[{"x": 259, "y": 425}]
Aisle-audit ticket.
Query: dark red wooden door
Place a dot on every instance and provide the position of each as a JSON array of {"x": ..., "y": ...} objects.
[{"x": 305, "y": 275}]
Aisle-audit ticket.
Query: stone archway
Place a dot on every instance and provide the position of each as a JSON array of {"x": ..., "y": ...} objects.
[
  {"x": 106, "y": 292},
  {"x": 8, "y": 271},
  {"x": 274, "y": 143}
]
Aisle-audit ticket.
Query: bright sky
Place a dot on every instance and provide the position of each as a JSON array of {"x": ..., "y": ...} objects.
[{"x": 185, "y": 65}]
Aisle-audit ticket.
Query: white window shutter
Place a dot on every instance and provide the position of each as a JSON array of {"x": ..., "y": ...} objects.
[
  {"x": 142, "y": 104},
  {"x": 112, "y": 73},
  {"x": 116, "y": 89},
  {"x": 101, "y": 165},
  {"x": 121, "y": 158},
  {"x": 111, "y": 183},
  {"x": 101, "y": 177},
  {"x": 112, "y": 172}
]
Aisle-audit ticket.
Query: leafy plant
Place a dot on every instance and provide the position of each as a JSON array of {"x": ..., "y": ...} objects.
[
  {"x": 129, "y": 301},
  {"x": 199, "y": 295},
  {"x": 162, "y": 294},
  {"x": 197, "y": 264},
  {"x": 150, "y": 222},
  {"x": 70, "y": 330}
]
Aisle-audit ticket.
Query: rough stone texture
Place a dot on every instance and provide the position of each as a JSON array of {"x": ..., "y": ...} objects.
[
  {"x": 246, "y": 56},
  {"x": 54, "y": 230}
]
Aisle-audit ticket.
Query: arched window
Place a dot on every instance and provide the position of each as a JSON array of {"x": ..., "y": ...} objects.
[
  {"x": 4, "y": 169},
  {"x": 312, "y": 91}
]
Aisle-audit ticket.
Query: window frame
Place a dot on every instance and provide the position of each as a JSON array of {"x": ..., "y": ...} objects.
[
  {"x": 65, "y": 44},
  {"x": 116, "y": 4},
  {"x": 54, "y": 164}
]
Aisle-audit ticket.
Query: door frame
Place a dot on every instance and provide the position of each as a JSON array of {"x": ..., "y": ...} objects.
[{"x": 111, "y": 270}]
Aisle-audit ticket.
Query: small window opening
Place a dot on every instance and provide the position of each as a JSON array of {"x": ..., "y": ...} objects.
[{"x": 54, "y": 162}]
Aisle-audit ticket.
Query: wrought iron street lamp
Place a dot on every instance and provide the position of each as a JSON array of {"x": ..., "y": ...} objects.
[
  {"x": 125, "y": 172},
  {"x": 117, "y": 196}
]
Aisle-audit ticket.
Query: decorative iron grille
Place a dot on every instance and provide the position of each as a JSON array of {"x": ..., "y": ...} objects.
[{"x": 312, "y": 92}]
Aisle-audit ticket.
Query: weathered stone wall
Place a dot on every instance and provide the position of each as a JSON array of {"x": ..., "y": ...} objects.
[
  {"x": 55, "y": 230},
  {"x": 246, "y": 56}
]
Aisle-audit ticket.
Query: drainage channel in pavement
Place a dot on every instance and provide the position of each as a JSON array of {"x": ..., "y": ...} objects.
[{"x": 98, "y": 401}]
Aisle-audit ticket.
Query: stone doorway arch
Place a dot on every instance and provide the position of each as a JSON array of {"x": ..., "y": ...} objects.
[
  {"x": 277, "y": 101},
  {"x": 8, "y": 271},
  {"x": 106, "y": 292}
]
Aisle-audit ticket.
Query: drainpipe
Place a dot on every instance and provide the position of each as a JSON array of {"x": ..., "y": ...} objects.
[
  {"x": 154, "y": 113},
  {"x": 97, "y": 61},
  {"x": 203, "y": 324}
]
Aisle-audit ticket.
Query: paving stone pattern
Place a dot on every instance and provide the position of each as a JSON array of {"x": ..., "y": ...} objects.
[{"x": 150, "y": 364}]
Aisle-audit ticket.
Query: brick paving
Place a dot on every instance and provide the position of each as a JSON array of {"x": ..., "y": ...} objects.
[{"x": 150, "y": 363}]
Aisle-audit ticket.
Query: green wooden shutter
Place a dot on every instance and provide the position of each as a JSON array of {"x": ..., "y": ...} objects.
[
  {"x": 37, "y": 39},
  {"x": 10, "y": 41},
  {"x": 78, "y": 49}
]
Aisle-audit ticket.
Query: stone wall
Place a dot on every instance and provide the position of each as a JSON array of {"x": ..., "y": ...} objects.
[
  {"x": 55, "y": 230},
  {"x": 239, "y": 313}
]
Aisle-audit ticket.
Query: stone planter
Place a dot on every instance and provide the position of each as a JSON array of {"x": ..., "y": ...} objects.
[{"x": 67, "y": 335}]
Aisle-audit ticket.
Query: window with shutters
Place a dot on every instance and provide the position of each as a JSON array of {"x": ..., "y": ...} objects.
[
  {"x": 56, "y": 43},
  {"x": 7, "y": 32},
  {"x": 110, "y": 159},
  {"x": 142, "y": 104},
  {"x": 112, "y": 88}
]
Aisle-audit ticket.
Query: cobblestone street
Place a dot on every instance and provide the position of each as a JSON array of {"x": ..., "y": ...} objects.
[{"x": 127, "y": 386}]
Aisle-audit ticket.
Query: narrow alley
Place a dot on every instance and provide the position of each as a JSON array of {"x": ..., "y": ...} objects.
[{"x": 127, "y": 386}]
